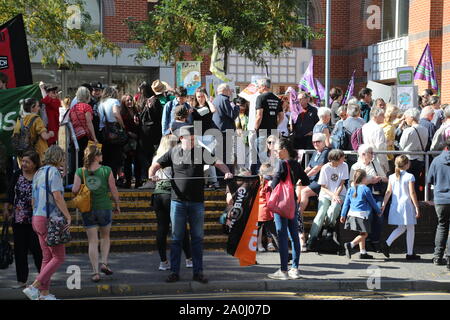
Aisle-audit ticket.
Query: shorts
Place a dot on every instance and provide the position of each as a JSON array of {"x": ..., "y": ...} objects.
[
  {"x": 97, "y": 218},
  {"x": 314, "y": 186}
]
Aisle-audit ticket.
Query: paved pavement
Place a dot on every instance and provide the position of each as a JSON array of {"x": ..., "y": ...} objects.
[{"x": 137, "y": 274}]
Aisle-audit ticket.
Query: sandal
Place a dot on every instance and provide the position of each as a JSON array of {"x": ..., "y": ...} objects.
[
  {"x": 106, "y": 270},
  {"x": 95, "y": 277}
]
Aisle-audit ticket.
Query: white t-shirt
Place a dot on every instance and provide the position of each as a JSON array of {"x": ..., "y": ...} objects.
[
  {"x": 332, "y": 177},
  {"x": 106, "y": 107},
  {"x": 252, "y": 112},
  {"x": 283, "y": 127}
]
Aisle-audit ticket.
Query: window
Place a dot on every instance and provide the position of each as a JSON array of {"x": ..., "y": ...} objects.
[
  {"x": 94, "y": 10},
  {"x": 395, "y": 19}
]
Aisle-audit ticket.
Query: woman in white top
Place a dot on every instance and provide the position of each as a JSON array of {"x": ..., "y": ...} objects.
[
  {"x": 404, "y": 210},
  {"x": 109, "y": 111}
]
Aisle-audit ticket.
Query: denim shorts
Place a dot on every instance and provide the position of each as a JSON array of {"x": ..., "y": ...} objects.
[{"x": 97, "y": 218}]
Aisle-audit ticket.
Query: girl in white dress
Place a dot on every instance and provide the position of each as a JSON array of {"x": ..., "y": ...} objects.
[{"x": 404, "y": 210}]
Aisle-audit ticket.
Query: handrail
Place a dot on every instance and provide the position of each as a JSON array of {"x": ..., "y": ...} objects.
[{"x": 394, "y": 152}]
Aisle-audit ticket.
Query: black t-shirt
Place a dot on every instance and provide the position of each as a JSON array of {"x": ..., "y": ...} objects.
[
  {"x": 271, "y": 105},
  {"x": 204, "y": 115},
  {"x": 186, "y": 164}
]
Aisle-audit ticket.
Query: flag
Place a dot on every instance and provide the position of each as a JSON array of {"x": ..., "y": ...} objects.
[
  {"x": 294, "y": 104},
  {"x": 320, "y": 90},
  {"x": 307, "y": 83},
  {"x": 14, "y": 58},
  {"x": 10, "y": 109},
  {"x": 425, "y": 68},
  {"x": 350, "y": 88},
  {"x": 242, "y": 221},
  {"x": 217, "y": 62}
]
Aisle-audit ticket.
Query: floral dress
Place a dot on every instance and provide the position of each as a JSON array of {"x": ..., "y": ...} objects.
[{"x": 23, "y": 210}]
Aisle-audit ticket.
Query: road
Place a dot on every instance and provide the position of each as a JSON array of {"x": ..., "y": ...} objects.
[{"x": 361, "y": 295}]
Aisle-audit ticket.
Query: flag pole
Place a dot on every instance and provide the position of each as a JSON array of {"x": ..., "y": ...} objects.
[{"x": 328, "y": 54}]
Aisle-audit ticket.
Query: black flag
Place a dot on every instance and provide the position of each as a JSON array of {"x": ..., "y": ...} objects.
[{"x": 14, "y": 57}]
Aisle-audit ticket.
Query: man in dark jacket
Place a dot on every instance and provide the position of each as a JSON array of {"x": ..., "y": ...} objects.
[
  {"x": 224, "y": 118},
  {"x": 303, "y": 127},
  {"x": 365, "y": 102},
  {"x": 439, "y": 176}
]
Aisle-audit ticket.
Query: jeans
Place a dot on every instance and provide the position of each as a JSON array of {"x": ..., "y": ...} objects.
[
  {"x": 53, "y": 257},
  {"x": 328, "y": 210},
  {"x": 161, "y": 204},
  {"x": 284, "y": 228},
  {"x": 25, "y": 240},
  {"x": 442, "y": 236},
  {"x": 180, "y": 213},
  {"x": 376, "y": 221}
]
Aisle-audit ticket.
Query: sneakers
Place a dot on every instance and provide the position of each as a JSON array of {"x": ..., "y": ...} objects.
[
  {"x": 304, "y": 248},
  {"x": 199, "y": 277},
  {"x": 348, "y": 249},
  {"x": 31, "y": 292},
  {"x": 189, "y": 263},
  {"x": 279, "y": 275},
  {"x": 163, "y": 266},
  {"x": 439, "y": 261},
  {"x": 271, "y": 247},
  {"x": 412, "y": 257},
  {"x": 385, "y": 249},
  {"x": 262, "y": 249},
  {"x": 173, "y": 277},
  {"x": 294, "y": 273},
  {"x": 48, "y": 297},
  {"x": 365, "y": 256}
]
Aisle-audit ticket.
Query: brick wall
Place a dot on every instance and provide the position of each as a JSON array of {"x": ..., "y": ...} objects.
[{"x": 445, "y": 80}]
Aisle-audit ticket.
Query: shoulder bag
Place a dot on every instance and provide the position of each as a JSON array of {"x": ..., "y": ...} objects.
[
  {"x": 281, "y": 200},
  {"x": 379, "y": 188},
  {"x": 113, "y": 133},
  {"x": 58, "y": 231},
  {"x": 82, "y": 201}
]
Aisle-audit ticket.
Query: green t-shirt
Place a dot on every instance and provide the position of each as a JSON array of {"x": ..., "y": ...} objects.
[{"x": 97, "y": 183}]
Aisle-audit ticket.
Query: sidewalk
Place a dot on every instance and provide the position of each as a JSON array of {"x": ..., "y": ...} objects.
[{"x": 137, "y": 274}]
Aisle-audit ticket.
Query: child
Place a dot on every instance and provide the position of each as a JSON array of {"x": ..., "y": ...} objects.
[
  {"x": 332, "y": 178},
  {"x": 265, "y": 217},
  {"x": 404, "y": 207},
  {"x": 358, "y": 203}
]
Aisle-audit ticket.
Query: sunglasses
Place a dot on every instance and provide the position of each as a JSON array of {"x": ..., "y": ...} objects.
[
  {"x": 270, "y": 142},
  {"x": 319, "y": 141}
]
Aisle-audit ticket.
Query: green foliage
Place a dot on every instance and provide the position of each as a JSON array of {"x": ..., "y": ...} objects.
[
  {"x": 47, "y": 32},
  {"x": 250, "y": 27}
]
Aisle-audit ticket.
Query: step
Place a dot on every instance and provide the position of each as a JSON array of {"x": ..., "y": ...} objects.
[
  {"x": 139, "y": 245},
  {"x": 142, "y": 204}
]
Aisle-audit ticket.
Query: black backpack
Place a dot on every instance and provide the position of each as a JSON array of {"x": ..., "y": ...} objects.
[
  {"x": 21, "y": 142},
  {"x": 341, "y": 137},
  {"x": 6, "y": 251}
]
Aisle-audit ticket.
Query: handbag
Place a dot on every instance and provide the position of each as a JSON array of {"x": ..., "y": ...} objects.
[
  {"x": 58, "y": 231},
  {"x": 82, "y": 201},
  {"x": 113, "y": 133},
  {"x": 6, "y": 250},
  {"x": 379, "y": 188},
  {"x": 282, "y": 199}
]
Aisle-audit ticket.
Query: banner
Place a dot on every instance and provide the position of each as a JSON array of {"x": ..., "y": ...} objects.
[
  {"x": 10, "y": 108},
  {"x": 425, "y": 68},
  {"x": 212, "y": 83},
  {"x": 320, "y": 90},
  {"x": 242, "y": 221},
  {"x": 189, "y": 76},
  {"x": 14, "y": 57},
  {"x": 307, "y": 83}
]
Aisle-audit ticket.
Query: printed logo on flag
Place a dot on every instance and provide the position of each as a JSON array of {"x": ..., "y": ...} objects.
[{"x": 3, "y": 62}]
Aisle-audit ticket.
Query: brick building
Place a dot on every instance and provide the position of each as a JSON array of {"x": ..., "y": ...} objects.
[{"x": 373, "y": 37}]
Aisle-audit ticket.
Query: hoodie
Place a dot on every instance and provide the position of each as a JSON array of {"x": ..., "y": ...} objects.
[{"x": 439, "y": 176}]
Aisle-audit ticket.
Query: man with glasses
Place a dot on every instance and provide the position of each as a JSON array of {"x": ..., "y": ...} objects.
[{"x": 304, "y": 124}]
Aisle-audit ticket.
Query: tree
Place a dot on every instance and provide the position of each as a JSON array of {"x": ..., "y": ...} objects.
[
  {"x": 250, "y": 28},
  {"x": 56, "y": 26}
]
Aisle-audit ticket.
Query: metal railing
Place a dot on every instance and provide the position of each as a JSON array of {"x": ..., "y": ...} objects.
[{"x": 411, "y": 153}]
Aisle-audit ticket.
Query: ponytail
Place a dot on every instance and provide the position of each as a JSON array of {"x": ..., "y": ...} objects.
[
  {"x": 358, "y": 177},
  {"x": 401, "y": 162}
]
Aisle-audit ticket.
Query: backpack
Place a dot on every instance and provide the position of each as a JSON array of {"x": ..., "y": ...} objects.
[
  {"x": 341, "y": 137},
  {"x": 21, "y": 141},
  {"x": 327, "y": 242},
  {"x": 150, "y": 119},
  {"x": 356, "y": 139}
]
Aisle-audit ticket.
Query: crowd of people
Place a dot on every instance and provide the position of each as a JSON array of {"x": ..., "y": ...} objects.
[{"x": 152, "y": 139}]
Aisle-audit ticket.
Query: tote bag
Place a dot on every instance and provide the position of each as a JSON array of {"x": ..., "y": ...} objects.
[{"x": 282, "y": 199}]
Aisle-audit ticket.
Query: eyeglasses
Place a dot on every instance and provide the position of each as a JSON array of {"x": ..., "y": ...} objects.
[
  {"x": 269, "y": 142},
  {"x": 319, "y": 141}
]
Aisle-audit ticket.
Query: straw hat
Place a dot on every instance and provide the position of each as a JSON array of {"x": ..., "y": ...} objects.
[{"x": 158, "y": 87}]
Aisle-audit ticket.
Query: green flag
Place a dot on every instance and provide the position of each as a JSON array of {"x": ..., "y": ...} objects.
[{"x": 10, "y": 108}]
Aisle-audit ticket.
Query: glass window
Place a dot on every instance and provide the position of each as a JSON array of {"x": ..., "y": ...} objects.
[
  {"x": 94, "y": 10},
  {"x": 87, "y": 74},
  {"x": 127, "y": 80},
  {"x": 395, "y": 23}
]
